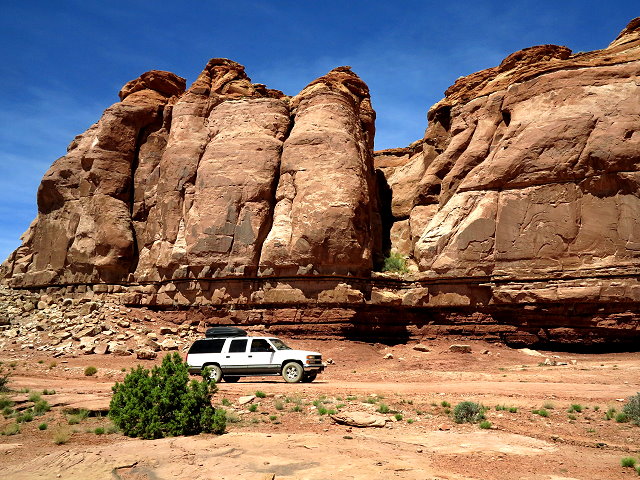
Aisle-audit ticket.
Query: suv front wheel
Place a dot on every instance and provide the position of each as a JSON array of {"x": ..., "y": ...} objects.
[{"x": 292, "y": 372}]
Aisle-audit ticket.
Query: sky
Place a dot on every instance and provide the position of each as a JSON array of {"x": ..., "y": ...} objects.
[{"x": 63, "y": 62}]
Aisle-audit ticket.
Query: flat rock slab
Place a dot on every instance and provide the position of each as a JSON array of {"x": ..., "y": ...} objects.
[{"x": 359, "y": 419}]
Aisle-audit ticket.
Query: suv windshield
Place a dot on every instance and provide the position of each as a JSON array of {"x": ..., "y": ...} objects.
[{"x": 279, "y": 344}]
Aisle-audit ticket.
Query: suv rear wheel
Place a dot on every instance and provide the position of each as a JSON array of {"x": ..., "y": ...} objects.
[
  {"x": 215, "y": 372},
  {"x": 292, "y": 372}
]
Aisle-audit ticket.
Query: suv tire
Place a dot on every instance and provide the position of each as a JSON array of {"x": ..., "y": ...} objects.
[
  {"x": 292, "y": 372},
  {"x": 215, "y": 372},
  {"x": 309, "y": 377}
]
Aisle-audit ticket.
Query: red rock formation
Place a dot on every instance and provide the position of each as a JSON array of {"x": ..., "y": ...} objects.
[{"x": 517, "y": 210}]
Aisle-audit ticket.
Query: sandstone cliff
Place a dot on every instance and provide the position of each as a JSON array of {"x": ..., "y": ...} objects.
[{"x": 517, "y": 210}]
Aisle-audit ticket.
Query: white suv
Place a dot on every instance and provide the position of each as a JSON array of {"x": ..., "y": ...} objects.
[{"x": 230, "y": 356}]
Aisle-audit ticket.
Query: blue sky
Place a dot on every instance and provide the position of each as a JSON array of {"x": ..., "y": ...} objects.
[{"x": 62, "y": 63}]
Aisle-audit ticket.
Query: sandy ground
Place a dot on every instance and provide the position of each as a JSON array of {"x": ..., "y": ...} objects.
[{"x": 290, "y": 438}]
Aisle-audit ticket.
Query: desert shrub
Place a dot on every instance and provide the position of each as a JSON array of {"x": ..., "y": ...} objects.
[
  {"x": 99, "y": 431},
  {"x": 445, "y": 404},
  {"x": 260, "y": 394},
  {"x": 5, "y": 402},
  {"x": 162, "y": 402},
  {"x": 632, "y": 409},
  {"x": 34, "y": 397},
  {"x": 485, "y": 424},
  {"x": 12, "y": 429},
  {"x": 90, "y": 371},
  {"x": 61, "y": 436},
  {"x": 42, "y": 426},
  {"x": 383, "y": 408},
  {"x": 468, "y": 412},
  {"x": 226, "y": 402},
  {"x": 398, "y": 416},
  {"x": 542, "y": 412},
  {"x": 253, "y": 407},
  {"x": 395, "y": 262},
  {"x": 26, "y": 416},
  {"x": 41, "y": 407},
  {"x": 279, "y": 405},
  {"x": 4, "y": 379},
  {"x": 622, "y": 417},
  {"x": 48, "y": 392},
  {"x": 628, "y": 462},
  {"x": 576, "y": 407}
]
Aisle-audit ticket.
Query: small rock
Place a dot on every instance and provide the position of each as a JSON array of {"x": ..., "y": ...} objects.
[
  {"x": 444, "y": 427},
  {"x": 359, "y": 419},
  {"x": 246, "y": 399},
  {"x": 421, "y": 348},
  {"x": 388, "y": 356},
  {"x": 146, "y": 353},
  {"x": 101, "y": 349},
  {"x": 460, "y": 348}
]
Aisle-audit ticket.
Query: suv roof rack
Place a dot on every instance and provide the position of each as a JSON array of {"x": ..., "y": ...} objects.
[{"x": 224, "y": 331}]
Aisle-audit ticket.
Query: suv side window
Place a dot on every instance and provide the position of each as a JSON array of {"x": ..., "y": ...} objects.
[
  {"x": 260, "y": 345},
  {"x": 238, "y": 346},
  {"x": 207, "y": 346}
]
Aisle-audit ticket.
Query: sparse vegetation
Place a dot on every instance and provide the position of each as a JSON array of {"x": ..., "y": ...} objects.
[
  {"x": 632, "y": 408},
  {"x": 576, "y": 407},
  {"x": 90, "y": 371},
  {"x": 445, "y": 404},
  {"x": 468, "y": 412},
  {"x": 99, "y": 431},
  {"x": 226, "y": 402},
  {"x": 61, "y": 436},
  {"x": 279, "y": 405},
  {"x": 162, "y": 402},
  {"x": 4, "y": 379},
  {"x": 398, "y": 416},
  {"x": 396, "y": 263},
  {"x": 628, "y": 462},
  {"x": 611, "y": 413},
  {"x": 5, "y": 402},
  {"x": 622, "y": 417},
  {"x": 548, "y": 405},
  {"x": 253, "y": 407},
  {"x": 542, "y": 412},
  {"x": 383, "y": 408},
  {"x": 41, "y": 407},
  {"x": 12, "y": 429},
  {"x": 260, "y": 394},
  {"x": 485, "y": 424}
]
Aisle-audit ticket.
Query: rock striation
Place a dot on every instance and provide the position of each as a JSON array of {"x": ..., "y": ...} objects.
[{"x": 517, "y": 210}]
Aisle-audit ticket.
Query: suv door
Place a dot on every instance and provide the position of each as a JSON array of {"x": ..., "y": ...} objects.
[
  {"x": 235, "y": 359},
  {"x": 260, "y": 357}
]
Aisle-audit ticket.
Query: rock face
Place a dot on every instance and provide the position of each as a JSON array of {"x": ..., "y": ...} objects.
[
  {"x": 516, "y": 211},
  {"x": 226, "y": 178}
]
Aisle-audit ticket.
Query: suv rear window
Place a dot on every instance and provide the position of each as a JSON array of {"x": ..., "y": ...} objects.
[
  {"x": 238, "y": 346},
  {"x": 213, "y": 345}
]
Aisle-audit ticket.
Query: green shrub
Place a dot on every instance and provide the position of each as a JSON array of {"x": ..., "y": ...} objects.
[
  {"x": 513, "y": 409},
  {"x": 383, "y": 408},
  {"x": 575, "y": 408},
  {"x": 41, "y": 407},
  {"x": 398, "y": 416},
  {"x": 395, "y": 262},
  {"x": 485, "y": 424},
  {"x": 5, "y": 402},
  {"x": 279, "y": 405},
  {"x": 253, "y": 407},
  {"x": 4, "y": 379},
  {"x": 611, "y": 413},
  {"x": 48, "y": 392},
  {"x": 61, "y": 436},
  {"x": 622, "y": 417},
  {"x": 260, "y": 394},
  {"x": 632, "y": 409},
  {"x": 628, "y": 462},
  {"x": 542, "y": 412},
  {"x": 226, "y": 402},
  {"x": 99, "y": 431},
  {"x": 445, "y": 404},
  {"x": 162, "y": 402},
  {"x": 42, "y": 426},
  {"x": 26, "y": 416},
  {"x": 468, "y": 412},
  {"x": 12, "y": 429},
  {"x": 90, "y": 371}
]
